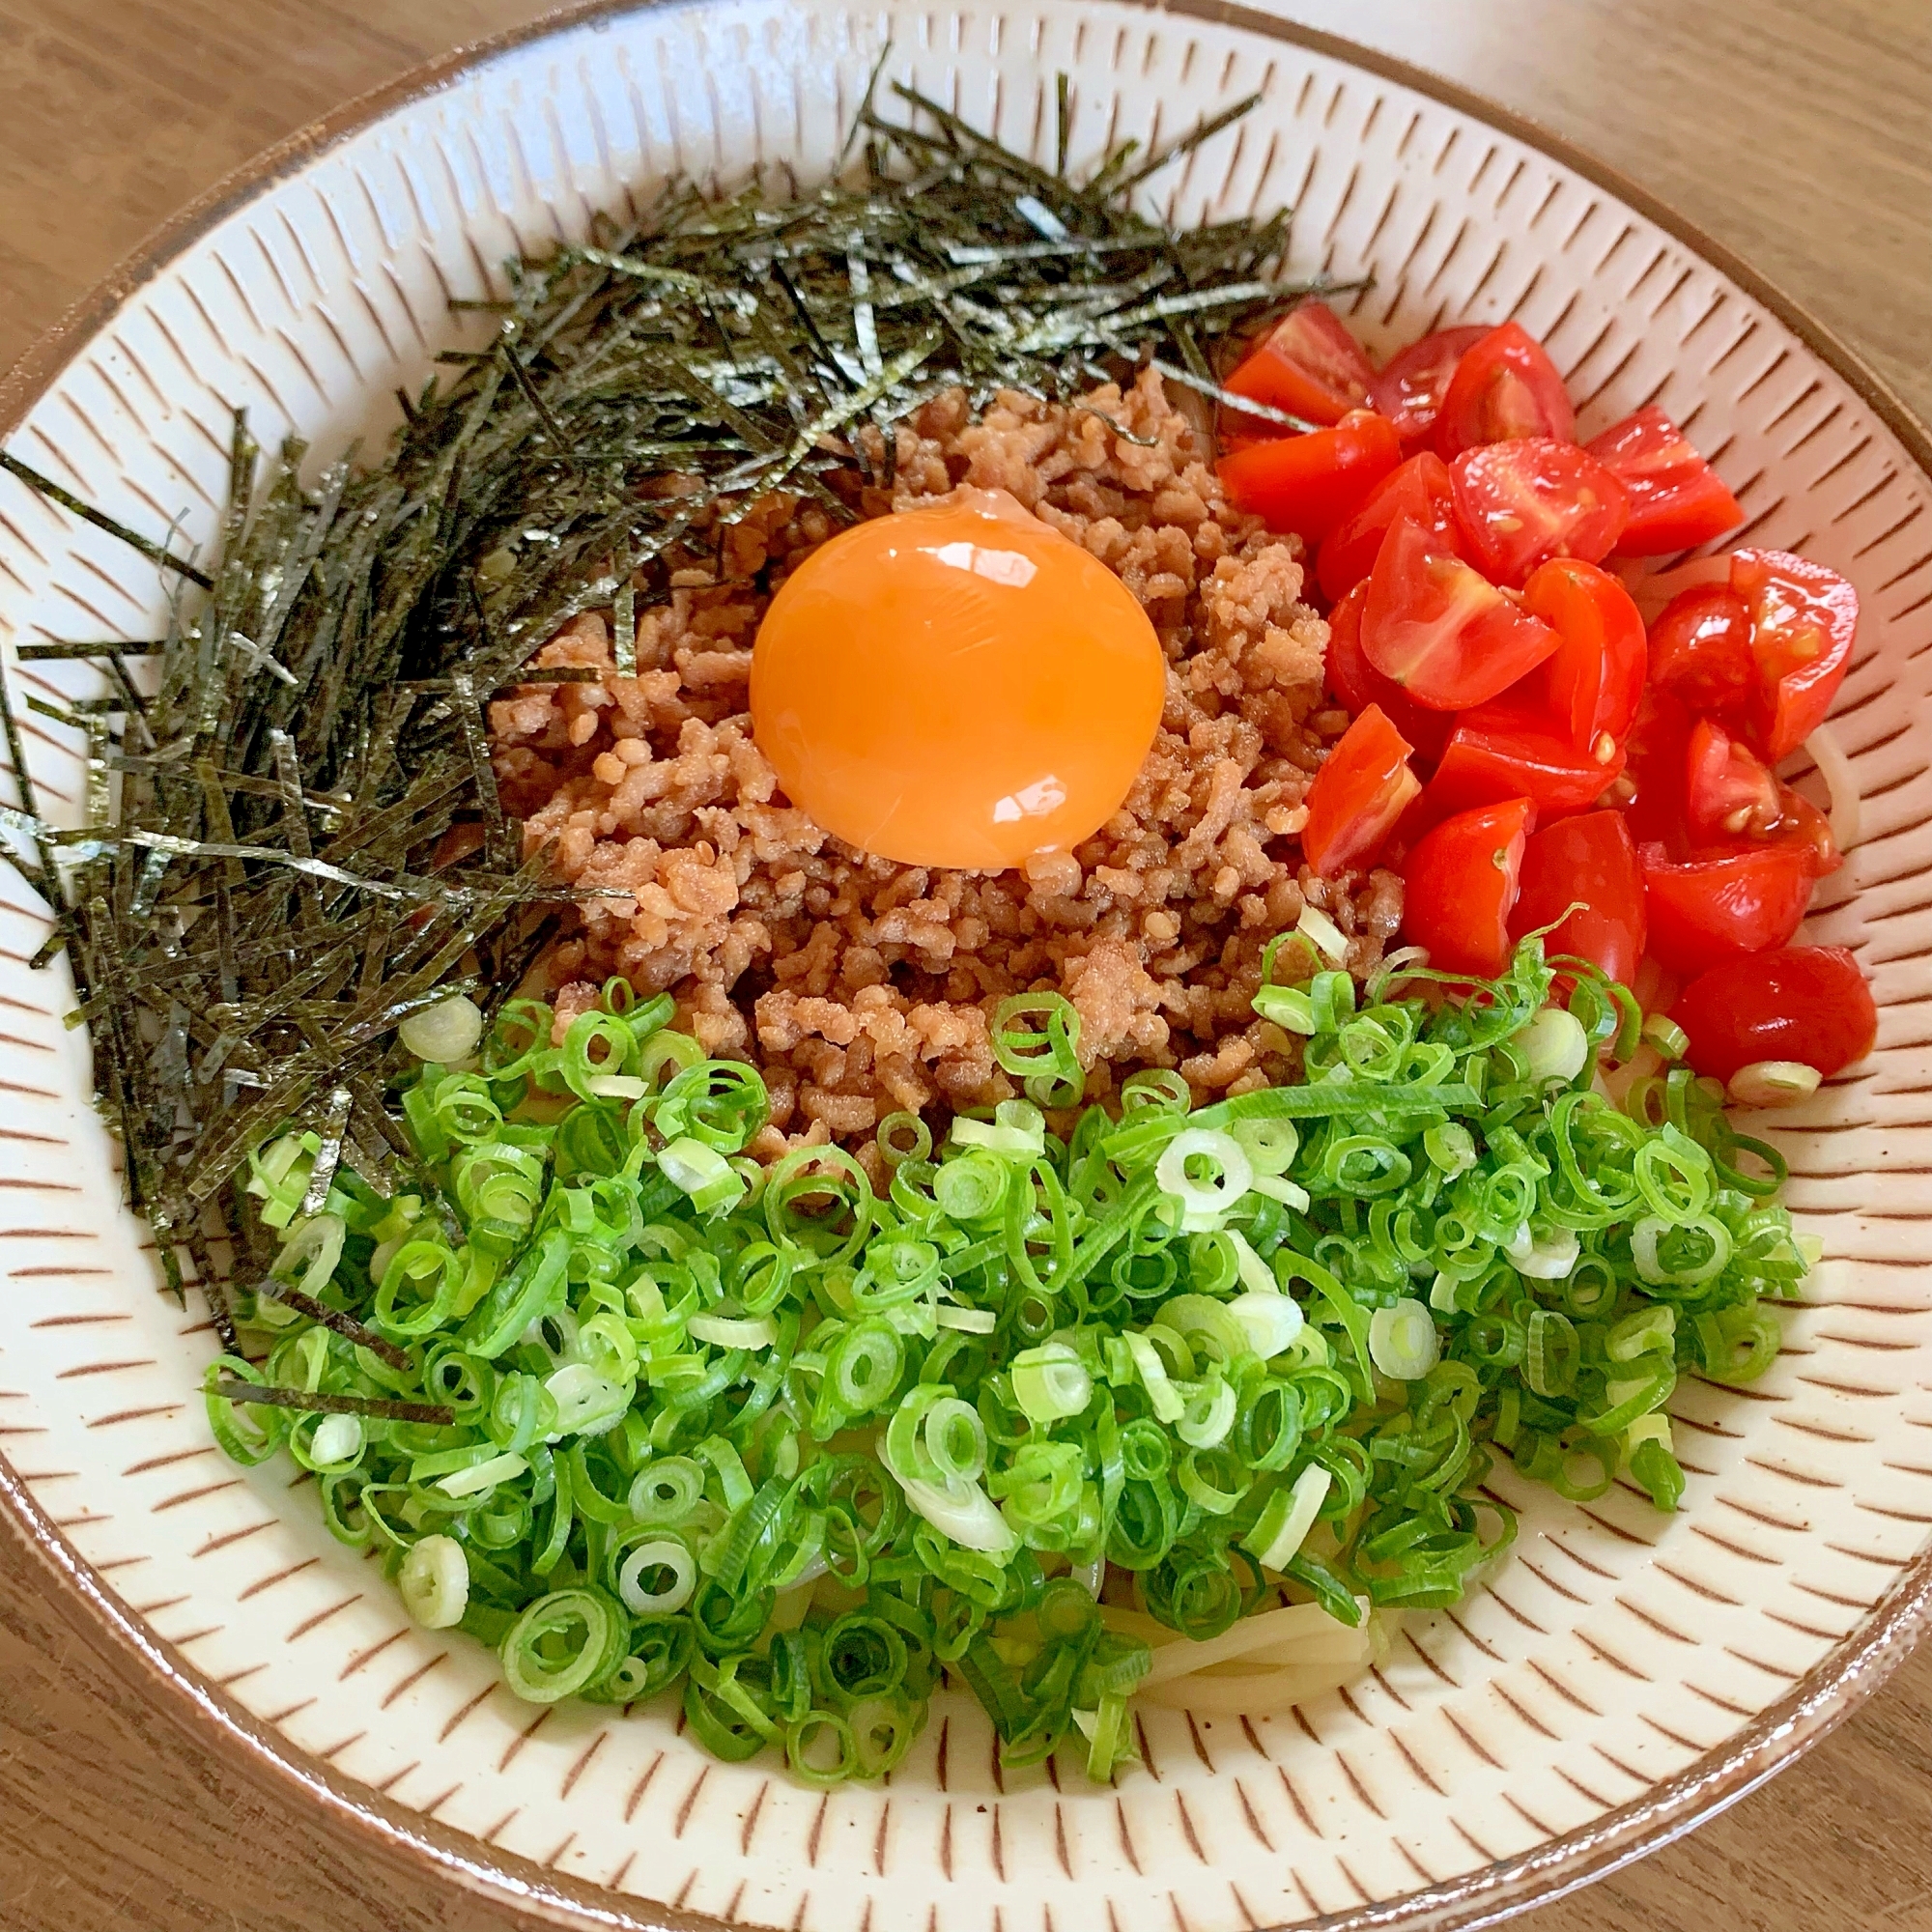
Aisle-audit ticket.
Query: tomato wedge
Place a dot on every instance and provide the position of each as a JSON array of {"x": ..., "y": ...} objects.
[
  {"x": 1460, "y": 887},
  {"x": 1806, "y": 1003},
  {"x": 1521, "y": 501},
  {"x": 1362, "y": 788},
  {"x": 1706, "y": 910},
  {"x": 1504, "y": 386},
  {"x": 1730, "y": 795},
  {"x": 1508, "y": 748},
  {"x": 1359, "y": 684},
  {"x": 1413, "y": 382},
  {"x": 1419, "y": 490},
  {"x": 1440, "y": 629},
  {"x": 1676, "y": 499},
  {"x": 1700, "y": 651},
  {"x": 1766, "y": 653},
  {"x": 1310, "y": 483},
  {"x": 1308, "y": 365},
  {"x": 1803, "y": 620},
  {"x": 1596, "y": 676},
  {"x": 1589, "y": 863},
  {"x": 1651, "y": 789}
]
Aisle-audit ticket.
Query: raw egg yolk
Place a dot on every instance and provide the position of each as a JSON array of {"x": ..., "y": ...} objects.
[{"x": 957, "y": 685}]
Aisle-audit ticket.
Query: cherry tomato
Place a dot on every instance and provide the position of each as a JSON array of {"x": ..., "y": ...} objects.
[
  {"x": 1596, "y": 676},
  {"x": 1766, "y": 653},
  {"x": 1307, "y": 366},
  {"x": 1728, "y": 792},
  {"x": 1731, "y": 796},
  {"x": 1362, "y": 788},
  {"x": 1507, "y": 749},
  {"x": 1359, "y": 684},
  {"x": 1806, "y": 1003},
  {"x": 1310, "y": 483},
  {"x": 1590, "y": 863},
  {"x": 1460, "y": 887},
  {"x": 1703, "y": 911},
  {"x": 1804, "y": 619},
  {"x": 1677, "y": 499},
  {"x": 1504, "y": 386},
  {"x": 1651, "y": 789},
  {"x": 1413, "y": 382},
  {"x": 1440, "y": 629},
  {"x": 1700, "y": 651},
  {"x": 1521, "y": 501},
  {"x": 1418, "y": 490}
]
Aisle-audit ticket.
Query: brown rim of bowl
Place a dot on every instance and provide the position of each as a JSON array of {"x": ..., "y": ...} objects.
[{"x": 1819, "y": 1701}]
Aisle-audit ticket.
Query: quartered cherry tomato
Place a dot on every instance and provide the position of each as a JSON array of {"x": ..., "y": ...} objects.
[
  {"x": 1766, "y": 653},
  {"x": 1700, "y": 651},
  {"x": 1440, "y": 629},
  {"x": 1728, "y": 792},
  {"x": 1504, "y": 386},
  {"x": 1587, "y": 862},
  {"x": 1310, "y": 483},
  {"x": 1362, "y": 788},
  {"x": 1507, "y": 749},
  {"x": 1676, "y": 499},
  {"x": 1413, "y": 382},
  {"x": 1521, "y": 501},
  {"x": 1730, "y": 795},
  {"x": 1460, "y": 887},
  {"x": 1651, "y": 789},
  {"x": 1596, "y": 675},
  {"x": 1705, "y": 910},
  {"x": 1359, "y": 684},
  {"x": 1418, "y": 490},
  {"x": 1806, "y": 1003},
  {"x": 1803, "y": 620},
  {"x": 1308, "y": 366}
]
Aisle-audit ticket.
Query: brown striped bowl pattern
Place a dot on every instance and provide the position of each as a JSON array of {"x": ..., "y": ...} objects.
[{"x": 1624, "y": 1673}]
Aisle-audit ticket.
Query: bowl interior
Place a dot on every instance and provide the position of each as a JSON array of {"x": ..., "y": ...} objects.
[{"x": 1617, "y": 1649}]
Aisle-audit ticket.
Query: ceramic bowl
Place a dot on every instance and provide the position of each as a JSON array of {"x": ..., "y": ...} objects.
[{"x": 1624, "y": 1673}]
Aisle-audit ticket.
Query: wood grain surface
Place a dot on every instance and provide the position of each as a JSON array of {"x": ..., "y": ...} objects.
[{"x": 1798, "y": 134}]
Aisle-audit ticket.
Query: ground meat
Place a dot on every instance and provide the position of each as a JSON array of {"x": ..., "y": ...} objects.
[{"x": 860, "y": 986}]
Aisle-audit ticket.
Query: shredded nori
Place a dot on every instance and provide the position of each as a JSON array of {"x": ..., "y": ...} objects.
[
  {"x": 308, "y": 844},
  {"x": 231, "y": 1389}
]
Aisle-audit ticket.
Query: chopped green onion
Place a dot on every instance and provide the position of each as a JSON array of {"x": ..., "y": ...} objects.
[
  {"x": 725, "y": 1331},
  {"x": 1547, "y": 1257},
  {"x": 435, "y": 1582},
  {"x": 445, "y": 1032},
  {"x": 1050, "y": 1382},
  {"x": 1773, "y": 1083},
  {"x": 670, "y": 1561},
  {"x": 1402, "y": 1341},
  {"x": 1283, "y": 1524},
  {"x": 1271, "y": 1321},
  {"x": 664, "y": 1392},
  {"x": 1316, "y": 927},
  {"x": 700, "y": 1172},
  {"x": 485, "y": 1475},
  {"x": 1554, "y": 1045},
  {"x": 1207, "y": 1171},
  {"x": 1667, "y": 1037}
]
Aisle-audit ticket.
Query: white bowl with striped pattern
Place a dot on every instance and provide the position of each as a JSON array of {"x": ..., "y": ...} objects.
[{"x": 1624, "y": 1673}]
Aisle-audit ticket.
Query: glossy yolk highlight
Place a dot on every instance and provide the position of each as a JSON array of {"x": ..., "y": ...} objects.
[{"x": 959, "y": 685}]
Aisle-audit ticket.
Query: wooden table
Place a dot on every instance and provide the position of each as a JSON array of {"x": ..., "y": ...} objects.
[{"x": 1800, "y": 134}]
